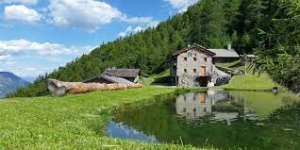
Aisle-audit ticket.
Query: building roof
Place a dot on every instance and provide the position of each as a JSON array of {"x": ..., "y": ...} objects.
[
  {"x": 195, "y": 46},
  {"x": 115, "y": 79},
  {"x": 126, "y": 73},
  {"x": 117, "y": 75},
  {"x": 224, "y": 53}
]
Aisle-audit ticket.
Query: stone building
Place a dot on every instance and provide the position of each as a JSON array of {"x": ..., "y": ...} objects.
[
  {"x": 195, "y": 66},
  {"x": 192, "y": 66}
]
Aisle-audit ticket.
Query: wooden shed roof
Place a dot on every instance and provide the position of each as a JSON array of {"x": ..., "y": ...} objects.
[
  {"x": 195, "y": 47},
  {"x": 117, "y": 75},
  {"x": 115, "y": 79},
  {"x": 126, "y": 73},
  {"x": 224, "y": 53}
]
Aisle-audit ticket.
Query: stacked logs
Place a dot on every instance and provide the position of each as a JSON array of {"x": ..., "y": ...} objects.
[{"x": 60, "y": 88}]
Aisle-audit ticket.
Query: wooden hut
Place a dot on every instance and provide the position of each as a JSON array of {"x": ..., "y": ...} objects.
[{"x": 121, "y": 76}]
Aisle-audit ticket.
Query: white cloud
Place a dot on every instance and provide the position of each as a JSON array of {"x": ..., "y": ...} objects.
[
  {"x": 23, "y": 46},
  {"x": 130, "y": 29},
  {"x": 88, "y": 14},
  {"x": 136, "y": 19},
  {"x": 27, "y": 58},
  {"x": 153, "y": 24},
  {"x": 181, "y": 5},
  {"x": 122, "y": 34},
  {"x": 25, "y": 2},
  {"x": 4, "y": 57},
  {"x": 83, "y": 14},
  {"x": 21, "y": 13}
]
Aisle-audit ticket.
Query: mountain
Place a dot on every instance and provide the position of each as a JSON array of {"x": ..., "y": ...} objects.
[{"x": 9, "y": 83}]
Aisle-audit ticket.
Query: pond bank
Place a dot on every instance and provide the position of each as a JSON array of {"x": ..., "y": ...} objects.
[{"x": 40, "y": 122}]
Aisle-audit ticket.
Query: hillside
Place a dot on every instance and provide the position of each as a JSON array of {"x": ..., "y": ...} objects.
[{"x": 9, "y": 83}]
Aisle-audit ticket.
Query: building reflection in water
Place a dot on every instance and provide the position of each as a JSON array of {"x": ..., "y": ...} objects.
[{"x": 195, "y": 105}]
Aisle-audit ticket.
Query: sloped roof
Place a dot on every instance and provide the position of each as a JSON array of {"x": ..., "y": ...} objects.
[
  {"x": 195, "y": 46},
  {"x": 115, "y": 79},
  {"x": 117, "y": 75},
  {"x": 126, "y": 73},
  {"x": 224, "y": 53}
]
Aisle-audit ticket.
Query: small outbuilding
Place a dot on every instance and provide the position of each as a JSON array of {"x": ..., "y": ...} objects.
[
  {"x": 225, "y": 55},
  {"x": 121, "y": 76}
]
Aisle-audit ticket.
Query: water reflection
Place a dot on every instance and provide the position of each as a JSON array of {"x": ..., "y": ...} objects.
[
  {"x": 124, "y": 131},
  {"x": 193, "y": 106},
  {"x": 247, "y": 120},
  {"x": 196, "y": 105}
]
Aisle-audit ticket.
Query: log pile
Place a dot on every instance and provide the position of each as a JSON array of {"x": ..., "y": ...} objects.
[{"x": 60, "y": 88}]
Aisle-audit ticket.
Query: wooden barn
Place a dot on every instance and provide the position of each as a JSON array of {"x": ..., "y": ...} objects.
[
  {"x": 121, "y": 76},
  {"x": 225, "y": 55}
]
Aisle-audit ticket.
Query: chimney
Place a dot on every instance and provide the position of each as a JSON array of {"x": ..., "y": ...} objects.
[{"x": 229, "y": 47}]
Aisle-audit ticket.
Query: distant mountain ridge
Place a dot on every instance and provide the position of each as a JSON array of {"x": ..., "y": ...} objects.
[{"x": 9, "y": 82}]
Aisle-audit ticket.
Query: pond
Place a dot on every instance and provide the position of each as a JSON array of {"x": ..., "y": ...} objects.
[{"x": 216, "y": 118}]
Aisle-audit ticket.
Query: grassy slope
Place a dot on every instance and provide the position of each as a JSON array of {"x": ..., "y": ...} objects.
[
  {"x": 70, "y": 122},
  {"x": 251, "y": 82},
  {"x": 153, "y": 77}
]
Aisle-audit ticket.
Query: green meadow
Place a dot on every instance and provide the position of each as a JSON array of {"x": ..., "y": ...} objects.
[{"x": 70, "y": 122}]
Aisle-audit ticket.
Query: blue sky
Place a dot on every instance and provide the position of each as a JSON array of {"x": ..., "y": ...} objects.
[{"x": 37, "y": 36}]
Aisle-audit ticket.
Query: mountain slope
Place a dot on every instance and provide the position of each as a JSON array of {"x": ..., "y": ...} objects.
[
  {"x": 9, "y": 83},
  {"x": 150, "y": 50}
]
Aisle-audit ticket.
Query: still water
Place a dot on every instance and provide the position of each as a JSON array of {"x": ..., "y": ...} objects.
[{"x": 217, "y": 118}]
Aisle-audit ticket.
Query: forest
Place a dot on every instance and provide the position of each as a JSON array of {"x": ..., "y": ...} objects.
[{"x": 268, "y": 28}]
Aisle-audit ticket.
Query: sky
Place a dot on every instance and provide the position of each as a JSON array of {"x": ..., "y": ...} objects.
[{"x": 38, "y": 36}]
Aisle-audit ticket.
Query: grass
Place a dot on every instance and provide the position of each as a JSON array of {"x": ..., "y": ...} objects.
[
  {"x": 228, "y": 65},
  {"x": 250, "y": 82},
  {"x": 153, "y": 77},
  {"x": 70, "y": 122}
]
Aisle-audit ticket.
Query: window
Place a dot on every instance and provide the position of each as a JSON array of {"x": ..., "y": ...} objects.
[
  {"x": 195, "y": 70},
  {"x": 205, "y": 59},
  {"x": 185, "y": 58},
  {"x": 190, "y": 54},
  {"x": 195, "y": 59},
  {"x": 185, "y": 71}
]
